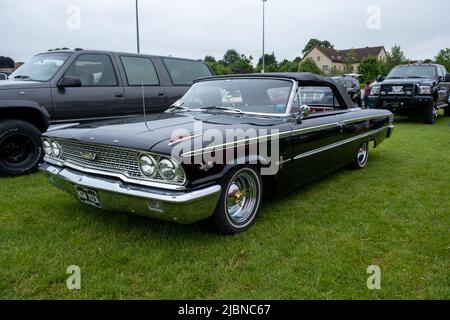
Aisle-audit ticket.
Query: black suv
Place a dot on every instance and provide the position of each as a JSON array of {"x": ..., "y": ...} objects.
[
  {"x": 73, "y": 86},
  {"x": 414, "y": 90}
]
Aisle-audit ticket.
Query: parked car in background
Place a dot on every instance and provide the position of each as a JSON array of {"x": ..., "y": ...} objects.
[
  {"x": 418, "y": 90},
  {"x": 353, "y": 87},
  {"x": 67, "y": 86},
  {"x": 157, "y": 166}
]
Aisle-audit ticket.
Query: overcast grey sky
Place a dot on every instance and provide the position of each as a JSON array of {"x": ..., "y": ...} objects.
[{"x": 195, "y": 28}]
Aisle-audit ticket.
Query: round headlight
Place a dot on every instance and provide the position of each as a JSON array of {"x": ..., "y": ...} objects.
[
  {"x": 167, "y": 169},
  {"x": 147, "y": 165},
  {"x": 56, "y": 149},
  {"x": 47, "y": 145}
]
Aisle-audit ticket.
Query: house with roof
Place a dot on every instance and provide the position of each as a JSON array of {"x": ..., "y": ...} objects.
[{"x": 329, "y": 59}]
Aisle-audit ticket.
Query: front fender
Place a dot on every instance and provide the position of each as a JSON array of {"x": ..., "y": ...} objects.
[{"x": 27, "y": 110}]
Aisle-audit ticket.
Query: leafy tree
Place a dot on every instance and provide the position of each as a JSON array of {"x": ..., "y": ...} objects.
[
  {"x": 270, "y": 61},
  {"x": 6, "y": 62},
  {"x": 210, "y": 59},
  {"x": 394, "y": 58},
  {"x": 288, "y": 66},
  {"x": 219, "y": 69},
  {"x": 231, "y": 57},
  {"x": 243, "y": 65},
  {"x": 316, "y": 43},
  {"x": 370, "y": 68},
  {"x": 308, "y": 65},
  {"x": 443, "y": 57}
]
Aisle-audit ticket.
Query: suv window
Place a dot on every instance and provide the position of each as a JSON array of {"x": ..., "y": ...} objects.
[
  {"x": 140, "y": 71},
  {"x": 93, "y": 70},
  {"x": 184, "y": 72}
]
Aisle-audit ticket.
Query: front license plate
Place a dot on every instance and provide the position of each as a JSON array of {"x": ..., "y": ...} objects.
[{"x": 89, "y": 197}]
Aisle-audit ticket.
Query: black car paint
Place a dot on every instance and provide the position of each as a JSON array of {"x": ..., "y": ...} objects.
[
  {"x": 413, "y": 104},
  {"x": 153, "y": 134}
]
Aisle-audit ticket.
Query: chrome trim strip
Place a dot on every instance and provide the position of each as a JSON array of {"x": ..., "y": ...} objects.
[
  {"x": 340, "y": 143},
  {"x": 366, "y": 118},
  {"x": 279, "y": 135},
  {"x": 122, "y": 177}
]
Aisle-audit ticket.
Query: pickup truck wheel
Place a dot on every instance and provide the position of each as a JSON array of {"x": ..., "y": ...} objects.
[
  {"x": 362, "y": 157},
  {"x": 447, "y": 111},
  {"x": 240, "y": 201},
  {"x": 20, "y": 147},
  {"x": 430, "y": 113}
]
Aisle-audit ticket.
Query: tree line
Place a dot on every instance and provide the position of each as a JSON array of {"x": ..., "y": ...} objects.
[{"x": 234, "y": 62}]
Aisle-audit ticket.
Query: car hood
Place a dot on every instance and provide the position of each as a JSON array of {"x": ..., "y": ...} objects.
[
  {"x": 408, "y": 81},
  {"x": 156, "y": 133},
  {"x": 20, "y": 84}
]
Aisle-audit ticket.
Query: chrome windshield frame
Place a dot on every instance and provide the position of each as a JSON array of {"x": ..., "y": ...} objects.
[{"x": 287, "y": 112}]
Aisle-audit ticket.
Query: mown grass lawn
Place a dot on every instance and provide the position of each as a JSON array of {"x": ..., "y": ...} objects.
[{"x": 312, "y": 244}]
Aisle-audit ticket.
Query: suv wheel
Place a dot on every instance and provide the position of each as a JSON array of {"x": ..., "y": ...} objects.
[
  {"x": 20, "y": 147},
  {"x": 447, "y": 111},
  {"x": 430, "y": 113},
  {"x": 240, "y": 201}
]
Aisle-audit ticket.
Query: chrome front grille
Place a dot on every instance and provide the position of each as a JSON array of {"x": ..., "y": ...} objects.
[
  {"x": 109, "y": 159},
  {"x": 398, "y": 89}
]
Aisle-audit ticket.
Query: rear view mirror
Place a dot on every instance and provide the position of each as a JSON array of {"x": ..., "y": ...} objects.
[
  {"x": 305, "y": 111},
  {"x": 447, "y": 77},
  {"x": 380, "y": 79},
  {"x": 72, "y": 82}
]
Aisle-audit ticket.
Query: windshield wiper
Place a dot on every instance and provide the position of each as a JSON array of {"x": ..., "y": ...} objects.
[{"x": 223, "y": 108}]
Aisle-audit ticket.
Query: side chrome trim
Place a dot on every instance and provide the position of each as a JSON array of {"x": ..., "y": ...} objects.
[
  {"x": 122, "y": 177},
  {"x": 278, "y": 135},
  {"x": 340, "y": 143}
]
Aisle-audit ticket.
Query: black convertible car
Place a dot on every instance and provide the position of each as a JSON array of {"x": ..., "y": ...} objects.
[{"x": 218, "y": 150}]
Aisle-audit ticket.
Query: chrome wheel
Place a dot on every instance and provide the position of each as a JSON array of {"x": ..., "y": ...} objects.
[
  {"x": 363, "y": 155},
  {"x": 242, "y": 197}
]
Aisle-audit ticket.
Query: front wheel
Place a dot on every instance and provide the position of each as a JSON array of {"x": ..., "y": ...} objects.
[
  {"x": 20, "y": 147},
  {"x": 240, "y": 201},
  {"x": 361, "y": 157},
  {"x": 430, "y": 114}
]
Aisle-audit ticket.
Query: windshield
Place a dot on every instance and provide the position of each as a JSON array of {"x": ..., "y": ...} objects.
[
  {"x": 41, "y": 67},
  {"x": 413, "y": 72},
  {"x": 267, "y": 96}
]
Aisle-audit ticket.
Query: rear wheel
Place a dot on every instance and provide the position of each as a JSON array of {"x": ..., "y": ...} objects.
[
  {"x": 240, "y": 201},
  {"x": 20, "y": 147},
  {"x": 430, "y": 113},
  {"x": 362, "y": 157}
]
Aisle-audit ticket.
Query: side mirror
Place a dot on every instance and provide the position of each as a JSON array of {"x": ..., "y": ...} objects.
[
  {"x": 69, "y": 82},
  {"x": 305, "y": 111},
  {"x": 379, "y": 79},
  {"x": 447, "y": 77}
]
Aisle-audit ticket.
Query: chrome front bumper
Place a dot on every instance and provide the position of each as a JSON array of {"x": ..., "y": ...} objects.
[{"x": 176, "y": 206}]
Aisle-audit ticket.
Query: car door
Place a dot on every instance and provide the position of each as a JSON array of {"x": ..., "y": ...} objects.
[
  {"x": 444, "y": 86},
  {"x": 315, "y": 140},
  {"x": 142, "y": 80},
  {"x": 100, "y": 94}
]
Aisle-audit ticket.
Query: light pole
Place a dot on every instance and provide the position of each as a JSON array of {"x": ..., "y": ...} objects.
[
  {"x": 264, "y": 37},
  {"x": 137, "y": 27}
]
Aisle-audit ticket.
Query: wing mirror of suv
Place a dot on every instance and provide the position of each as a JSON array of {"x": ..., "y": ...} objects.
[
  {"x": 447, "y": 77},
  {"x": 380, "y": 79},
  {"x": 305, "y": 111},
  {"x": 67, "y": 81}
]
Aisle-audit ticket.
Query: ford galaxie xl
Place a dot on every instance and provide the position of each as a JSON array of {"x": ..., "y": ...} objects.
[{"x": 217, "y": 151}]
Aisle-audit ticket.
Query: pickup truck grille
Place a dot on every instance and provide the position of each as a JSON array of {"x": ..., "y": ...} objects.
[
  {"x": 108, "y": 159},
  {"x": 397, "y": 89}
]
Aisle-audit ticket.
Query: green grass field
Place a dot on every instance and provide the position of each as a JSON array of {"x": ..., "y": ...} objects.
[{"x": 315, "y": 243}]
